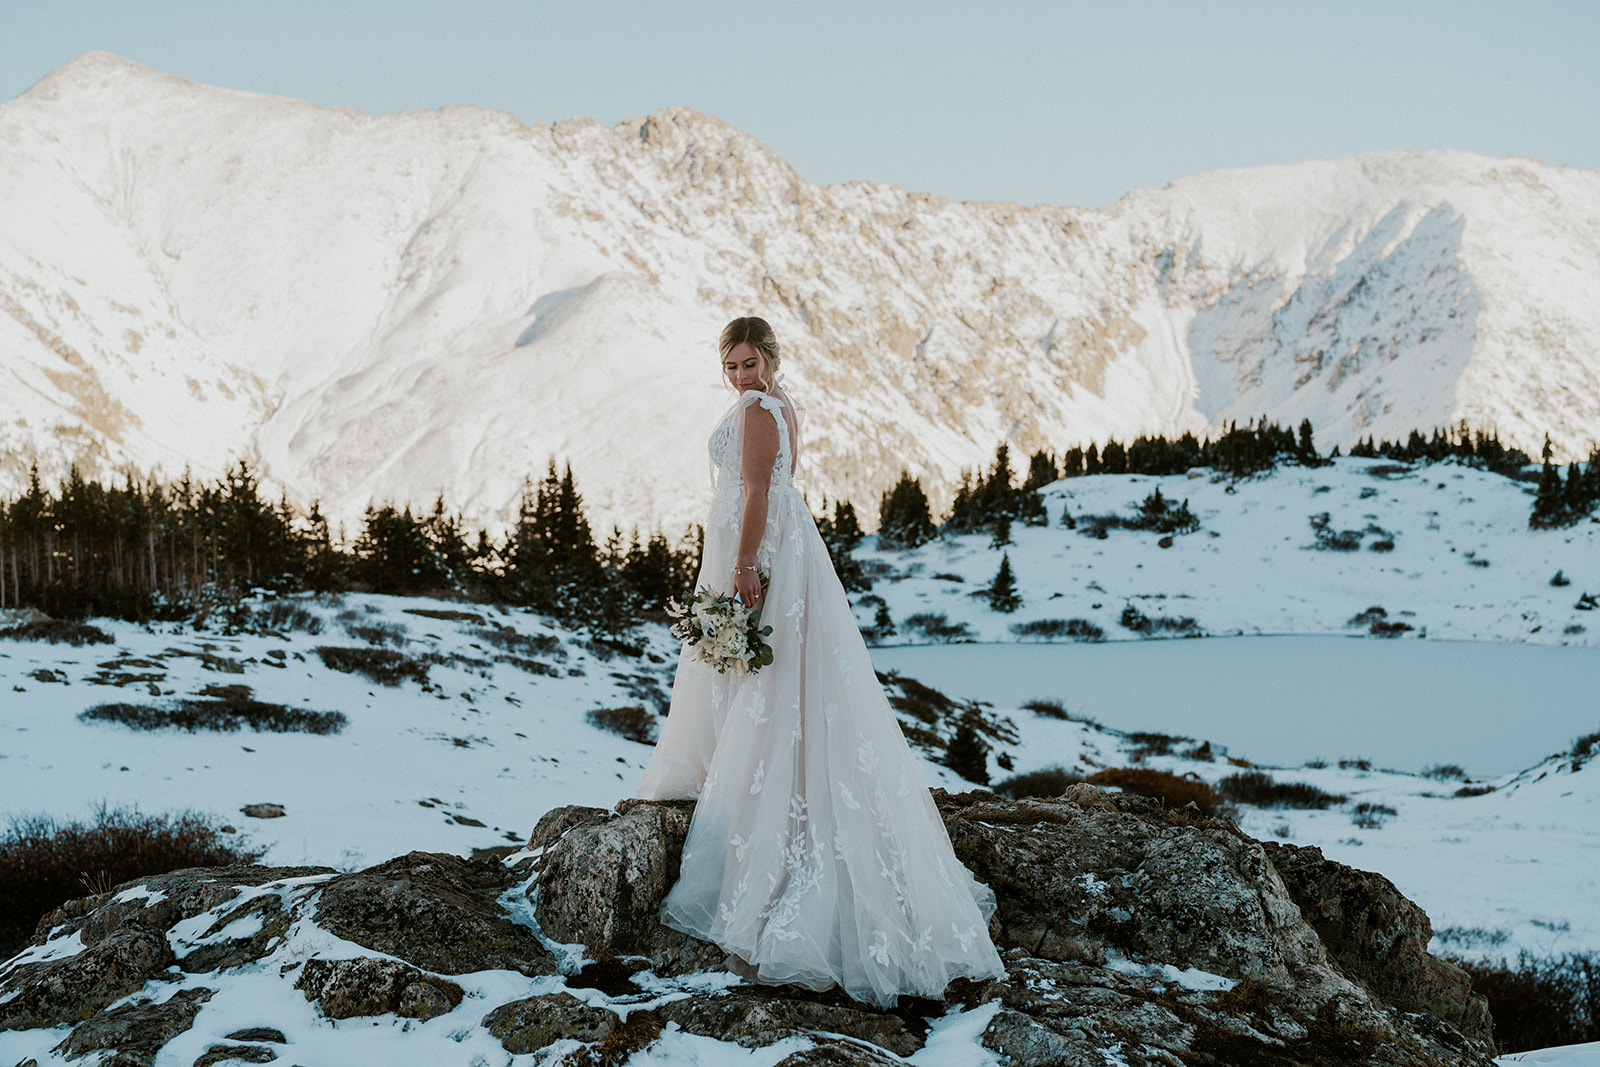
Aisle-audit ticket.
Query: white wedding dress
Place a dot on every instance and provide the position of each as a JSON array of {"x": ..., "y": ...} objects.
[{"x": 815, "y": 855}]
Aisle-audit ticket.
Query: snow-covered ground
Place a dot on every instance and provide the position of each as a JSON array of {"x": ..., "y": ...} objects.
[{"x": 473, "y": 758}]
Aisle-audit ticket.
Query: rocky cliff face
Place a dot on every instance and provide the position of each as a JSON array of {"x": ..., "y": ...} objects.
[
  {"x": 393, "y": 306},
  {"x": 1129, "y": 932}
]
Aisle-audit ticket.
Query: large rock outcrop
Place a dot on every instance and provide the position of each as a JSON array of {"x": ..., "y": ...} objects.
[{"x": 1131, "y": 934}]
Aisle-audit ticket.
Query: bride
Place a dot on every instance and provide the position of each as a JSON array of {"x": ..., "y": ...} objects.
[{"x": 815, "y": 855}]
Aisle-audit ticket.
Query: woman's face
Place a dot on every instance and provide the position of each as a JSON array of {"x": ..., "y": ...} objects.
[{"x": 743, "y": 367}]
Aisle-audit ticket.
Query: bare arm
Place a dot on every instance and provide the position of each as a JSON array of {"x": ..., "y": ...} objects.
[{"x": 760, "y": 452}]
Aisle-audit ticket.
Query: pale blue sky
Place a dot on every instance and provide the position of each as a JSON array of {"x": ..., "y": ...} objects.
[{"x": 1037, "y": 102}]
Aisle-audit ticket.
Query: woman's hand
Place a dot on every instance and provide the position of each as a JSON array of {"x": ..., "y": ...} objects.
[{"x": 747, "y": 584}]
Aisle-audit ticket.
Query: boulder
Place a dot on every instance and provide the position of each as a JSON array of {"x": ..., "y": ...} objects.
[
  {"x": 345, "y": 989},
  {"x": 259, "y": 1033},
  {"x": 268, "y": 910},
  {"x": 160, "y": 901},
  {"x": 1129, "y": 930},
  {"x": 235, "y": 1053},
  {"x": 755, "y": 1020},
  {"x": 831, "y": 1052},
  {"x": 135, "y": 1032},
  {"x": 1379, "y": 938},
  {"x": 1118, "y": 874},
  {"x": 532, "y": 1023},
  {"x": 438, "y": 912},
  {"x": 124, "y": 934},
  {"x": 64, "y": 991},
  {"x": 602, "y": 876},
  {"x": 1131, "y": 933},
  {"x": 263, "y": 811}
]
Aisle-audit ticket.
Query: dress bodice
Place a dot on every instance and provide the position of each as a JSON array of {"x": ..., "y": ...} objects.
[{"x": 726, "y": 445}]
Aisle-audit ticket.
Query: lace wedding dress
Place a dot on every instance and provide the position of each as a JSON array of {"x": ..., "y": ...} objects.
[{"x": 815, "y": 855}]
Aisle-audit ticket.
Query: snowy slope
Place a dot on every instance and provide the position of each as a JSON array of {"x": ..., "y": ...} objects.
[
  {"x": 393, "y": 306},
  {"x": 494, "y": 741},
  {"x": 472, "y": 758}
]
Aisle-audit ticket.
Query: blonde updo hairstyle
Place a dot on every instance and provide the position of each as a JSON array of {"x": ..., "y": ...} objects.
[{"x": 758, "y": 335}]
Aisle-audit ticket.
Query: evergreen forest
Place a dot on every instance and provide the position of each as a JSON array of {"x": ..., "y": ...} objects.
[{"x": 147, "y": 550}]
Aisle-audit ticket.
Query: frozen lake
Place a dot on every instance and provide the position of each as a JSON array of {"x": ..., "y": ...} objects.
[{"x": 1491, "y": 708}]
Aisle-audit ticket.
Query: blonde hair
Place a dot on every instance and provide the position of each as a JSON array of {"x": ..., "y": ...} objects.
[{"x": 756, "y": 333}]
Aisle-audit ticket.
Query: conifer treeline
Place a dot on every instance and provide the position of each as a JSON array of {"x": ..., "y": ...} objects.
[
  {"x": 1564, "y": 503},
  {"x": 988, "y": 501},
  {"x": 147, "y": 550}
]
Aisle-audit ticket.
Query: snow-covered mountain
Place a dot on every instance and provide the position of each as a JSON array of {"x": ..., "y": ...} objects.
[{"x": 387, "y": 307}]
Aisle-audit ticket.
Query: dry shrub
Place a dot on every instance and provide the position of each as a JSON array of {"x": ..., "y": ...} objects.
[
  {"x": 920, "y": 701},
  {"x": 225, "y": 716},
  {"x": 1175, "y": 791},
  {"x": 633, "y": 723},
  {"x": 44, "y": 864},
  {"x": 1371, "y": 816},
  {"x": 1056, "y": 629},
  {"x": 1261, "y": 790},
  {"x": 1540, "y": 1002},
  {"x": 938, "y": 627},
  {"x": 1049, "y": 782},
  {"x": 520, "y": 644},
  {"x": 445, "y": 616},
  {"x": 377, "y": 633},
  {"x": 382, "y": 665},
  {"x": 285, "y": 616},
  {"x": 58, "y": 632}
]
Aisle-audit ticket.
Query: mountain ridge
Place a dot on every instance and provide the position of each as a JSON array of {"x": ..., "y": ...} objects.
[{"x": 386, "y": 307}]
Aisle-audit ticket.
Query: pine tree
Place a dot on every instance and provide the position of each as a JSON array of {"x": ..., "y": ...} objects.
[
  {"x": 1041, "y": 470},
  {"x": 966, "y": 754},
  {"x": 883, "y": 622},
  {"x": 1305, "y": 447},
  {"x": 325, "y": 569},
  {"x": 1549, "y": 503},
  {"x": 1113, "y": 458},
  {"x": 1000, "y": 530},
  {"x": 1002, "y": 594},
  {"x": 393, "y": 556},
  {"x": 448, "y": 542},
  {"x": 841, "y": 533},
  {"x": 903, "y": 517}
]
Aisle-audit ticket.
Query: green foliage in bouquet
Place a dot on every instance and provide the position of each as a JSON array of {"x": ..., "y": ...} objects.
[{"x": 720, "y": 630}]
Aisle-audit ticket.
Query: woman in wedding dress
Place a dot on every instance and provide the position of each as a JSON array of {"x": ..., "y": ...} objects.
[{"x": 815, "y": 855}]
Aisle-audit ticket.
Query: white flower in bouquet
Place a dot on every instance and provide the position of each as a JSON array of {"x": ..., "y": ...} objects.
[{"x": 721, "y": 630}]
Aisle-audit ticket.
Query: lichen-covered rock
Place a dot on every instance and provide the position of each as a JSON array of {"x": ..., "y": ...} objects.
[
  {"x": 159, "y": 902},
  {"x": 759, "y": 1019},
  {"x": 258, "y": 1033},
  {"x": 1026, "y": 1043},
  {"x": 533, "y": 1023},
  {"x": 1131, "y": 934},
  {"x": 602, "y": 877},
  {"x": 68, "y": 990},
  {"x": 271, "y": 919},
  {"x": 235, "y": 1053},
  {"x": 1379, "y": 938},
  {"x": 1117, "y": 876},
  {"x": 835, "y": 1053},
  {"x": 345, "y": 989},
  {"x": 135, "y": 1032},
  {"x": 1110, "y": 908},
  {"x": 439, "y": 912}
]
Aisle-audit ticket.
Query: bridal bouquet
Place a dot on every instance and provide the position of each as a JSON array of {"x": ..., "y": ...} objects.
[{"x": 721, "y": 630}]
